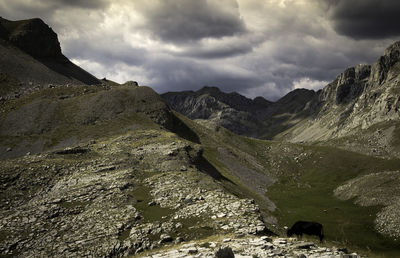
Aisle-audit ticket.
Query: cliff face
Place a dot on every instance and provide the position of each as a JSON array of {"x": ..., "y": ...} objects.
[
  {"x": 359, "y": 110},
  {"x": 34, "y": 37}
]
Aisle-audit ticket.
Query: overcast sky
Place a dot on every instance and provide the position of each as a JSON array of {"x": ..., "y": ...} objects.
[{"x": 255, "y": 47}]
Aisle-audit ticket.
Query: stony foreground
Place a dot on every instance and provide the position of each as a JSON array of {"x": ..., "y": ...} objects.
[
  {"x": 115, "y": 197},
  {"x": 253, "y": 247}
]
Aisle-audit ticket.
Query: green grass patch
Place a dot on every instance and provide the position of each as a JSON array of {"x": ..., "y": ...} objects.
[
  {"x": 310, "y": 197},
  {"x": 124, "y": 234},
  {"x": 150, "y": 213},
  {"x": 73, "y": 204}
]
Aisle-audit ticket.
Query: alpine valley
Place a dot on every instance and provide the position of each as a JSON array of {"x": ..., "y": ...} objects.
[{"x": 90, "y": 167}]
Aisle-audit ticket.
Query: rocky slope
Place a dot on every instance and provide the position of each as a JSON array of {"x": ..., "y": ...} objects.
[{"x": 114, "y": 196}]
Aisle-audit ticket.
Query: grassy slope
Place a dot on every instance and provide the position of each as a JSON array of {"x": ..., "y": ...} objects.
[
  {"x": 345, "y": 223},
  {"x": 212, "y": 141},
  {"x": 304, "y": 188}
]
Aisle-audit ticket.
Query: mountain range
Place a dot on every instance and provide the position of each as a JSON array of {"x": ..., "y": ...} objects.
[
  {"x": 91, "y": 167},
  {"x": 359, "y": 102}
]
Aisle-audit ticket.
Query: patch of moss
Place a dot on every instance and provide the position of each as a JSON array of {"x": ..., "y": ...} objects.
[
  {"x": 124, "y": 234},
  {"x": 150, "y": 213}
]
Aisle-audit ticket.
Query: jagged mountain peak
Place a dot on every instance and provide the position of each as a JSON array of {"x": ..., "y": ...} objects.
[
  {"x": 380, "y": 69},
  {"x": 393, "y": 50}
]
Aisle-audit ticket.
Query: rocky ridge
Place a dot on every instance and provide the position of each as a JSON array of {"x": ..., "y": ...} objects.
[
  {"x": 235, "y": 112},
  {"x": 25, "y": 126}
]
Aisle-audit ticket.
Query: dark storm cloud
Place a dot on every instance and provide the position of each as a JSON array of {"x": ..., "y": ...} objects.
[
  {"x": 102, "y": 53},
  {"x": 210, "y": 51},
  {"x": 44, "y": 8},
  {"x": 190, "y": 20},
  {"x": 90, "y": 4},
  {"x": 366, "y": 19},
  {"x": 254, "y": 47},
  {"x": 186, "y": 74}
]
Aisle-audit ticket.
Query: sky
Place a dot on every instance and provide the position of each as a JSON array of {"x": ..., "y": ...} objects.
[{"x": 254, "y": 47}]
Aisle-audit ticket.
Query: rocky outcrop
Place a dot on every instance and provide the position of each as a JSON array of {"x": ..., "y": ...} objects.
[{"x": 361, "y": 103}]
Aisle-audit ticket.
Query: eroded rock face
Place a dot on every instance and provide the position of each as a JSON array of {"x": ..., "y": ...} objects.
[
  {"x": 381, "y": 68},
  {"x": 358, "y": 99},
  {"x": 36, "y": 38},
  {"x": 351, "y": 83}
]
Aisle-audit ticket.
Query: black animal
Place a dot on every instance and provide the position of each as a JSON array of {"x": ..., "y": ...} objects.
[
  {"x": 225, "y": 253},
  {"x": 306, "y": 227}
]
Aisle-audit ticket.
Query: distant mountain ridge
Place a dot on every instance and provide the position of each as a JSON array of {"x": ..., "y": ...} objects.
[{"x": 236, "y": 112}]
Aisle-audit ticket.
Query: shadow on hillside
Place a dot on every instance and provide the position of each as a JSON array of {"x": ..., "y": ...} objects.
[
  {"x": 206, "y": 167},
  {"x": 62, "y": 65},
  {"x": 183, "y": 131}
]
